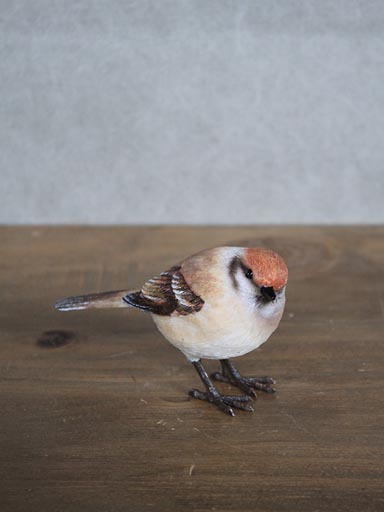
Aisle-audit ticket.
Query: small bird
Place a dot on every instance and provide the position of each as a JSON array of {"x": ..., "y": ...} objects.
[{"x": 217, "y": 304}]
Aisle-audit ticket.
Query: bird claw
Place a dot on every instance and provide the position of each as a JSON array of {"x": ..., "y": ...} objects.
[
  {"x": 247, "y": 384},
  {"x": 262, "y": 383},
  {"x": 224, "y": 402}
]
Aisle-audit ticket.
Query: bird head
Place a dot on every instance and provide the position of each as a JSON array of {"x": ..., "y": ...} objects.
[{"x": 260, "y": 272}]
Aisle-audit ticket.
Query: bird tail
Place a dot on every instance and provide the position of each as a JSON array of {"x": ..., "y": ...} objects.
[{"x": 94, "y": 300}]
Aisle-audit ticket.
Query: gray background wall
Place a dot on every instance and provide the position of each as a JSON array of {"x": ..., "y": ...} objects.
[{"x": 198, "y": 111}]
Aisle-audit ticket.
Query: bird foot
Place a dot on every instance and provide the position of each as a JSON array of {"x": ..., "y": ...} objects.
[
  {"x": 247, "y": 384},
  {"x": 224, "y": 402}
]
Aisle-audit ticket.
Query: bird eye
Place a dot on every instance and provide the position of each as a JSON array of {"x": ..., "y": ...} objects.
[{"x": 249, "y": 274}]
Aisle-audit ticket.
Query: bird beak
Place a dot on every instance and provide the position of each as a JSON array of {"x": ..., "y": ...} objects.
[{"x": 268, "y": 293}]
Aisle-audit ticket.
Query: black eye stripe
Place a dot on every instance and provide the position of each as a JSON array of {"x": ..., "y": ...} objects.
[
  {"x": 236, "y": 264},
  {"x": 233, "y": 266}
]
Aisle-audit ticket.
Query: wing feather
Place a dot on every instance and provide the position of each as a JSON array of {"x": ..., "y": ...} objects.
[{"x": 165, "y": 294}]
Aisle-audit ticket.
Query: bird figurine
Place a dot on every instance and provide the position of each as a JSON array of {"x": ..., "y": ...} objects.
[{"x": 217, "y": 304}]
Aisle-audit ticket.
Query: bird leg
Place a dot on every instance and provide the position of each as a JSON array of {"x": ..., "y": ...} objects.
[
  {"x": 223, "y": 402},
  {"x": 247, "y": 384}
]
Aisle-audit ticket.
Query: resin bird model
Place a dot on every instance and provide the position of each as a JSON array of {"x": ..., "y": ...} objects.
[{"x": 218, "y": 304}]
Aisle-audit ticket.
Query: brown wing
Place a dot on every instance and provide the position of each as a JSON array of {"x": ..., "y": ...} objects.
[{"x": 165, "y": 294}]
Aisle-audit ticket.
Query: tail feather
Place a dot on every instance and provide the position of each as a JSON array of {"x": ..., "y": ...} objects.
[{"x": 112, "y": 299}]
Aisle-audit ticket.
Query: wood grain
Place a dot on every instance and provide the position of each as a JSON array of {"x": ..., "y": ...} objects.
[{"x": 94, "y": 408}]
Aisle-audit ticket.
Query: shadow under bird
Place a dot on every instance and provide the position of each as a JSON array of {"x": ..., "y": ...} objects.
[{"x": 218, "y": 304}]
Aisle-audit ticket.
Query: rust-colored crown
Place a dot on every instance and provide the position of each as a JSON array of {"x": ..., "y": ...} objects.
[{"x": 269, "y": 269}]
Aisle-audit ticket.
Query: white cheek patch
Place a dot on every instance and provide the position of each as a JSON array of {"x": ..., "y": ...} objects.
[{"x": 246, "y": 289}]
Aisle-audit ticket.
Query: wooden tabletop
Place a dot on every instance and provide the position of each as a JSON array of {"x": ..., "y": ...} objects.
[{"x": 95, "y": 415}]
